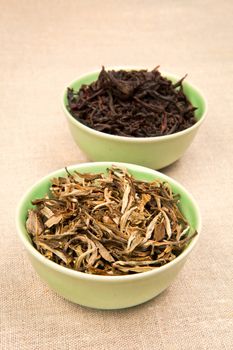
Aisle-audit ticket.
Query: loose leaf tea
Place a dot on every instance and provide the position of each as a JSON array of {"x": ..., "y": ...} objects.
[
  {"x": 132, "y": 103},
  {"x": 108, "y": 224}
]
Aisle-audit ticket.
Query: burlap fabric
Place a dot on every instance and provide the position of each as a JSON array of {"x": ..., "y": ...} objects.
[{"x": 43, "y": 46}]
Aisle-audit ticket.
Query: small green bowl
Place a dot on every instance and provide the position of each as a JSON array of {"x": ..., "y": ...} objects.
[
  {"x": 153, "y": 152},
  {"x": 106, "y": 292}
]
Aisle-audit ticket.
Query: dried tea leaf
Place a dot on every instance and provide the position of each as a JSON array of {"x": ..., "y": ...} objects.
[
  {"x": 48, "y": 213},
  {"x": 133, "y": 242},
  {"x": 57, "y": 252},
  {"x": 53, "y": 220},
  {"x": 151, "y": 226},
  {"x": 131, "y": 269},
  {"x": 34, "y": 224},
  {"x": 125, "y": 198},
  {"x": 132, "y": 103},
  {"x": 104, "y": 252},
  {"x": 108, "y": 224},
  {"x": 167, "y": 224},
  {"x": 125, "y": 218},
  {"x": 159, "y": 232}
]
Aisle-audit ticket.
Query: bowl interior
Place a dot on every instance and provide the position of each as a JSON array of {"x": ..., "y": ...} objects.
[
  {"x": 187, "y": 205},
  {"x": 193, "y": 94}
]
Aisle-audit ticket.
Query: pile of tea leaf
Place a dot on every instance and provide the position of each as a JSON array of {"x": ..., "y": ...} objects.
[
  {"x": 132, "y": 103},
  {"x": 108, "y": 224}
]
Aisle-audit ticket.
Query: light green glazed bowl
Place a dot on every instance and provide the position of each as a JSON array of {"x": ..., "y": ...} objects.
[
  {"x": 106, "y": 292},
  {"x": 153, "y": 152}
]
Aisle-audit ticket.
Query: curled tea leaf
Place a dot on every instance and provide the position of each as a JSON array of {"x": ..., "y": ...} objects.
[
  {"x": 34, "y": 224},
  {"x": 108, "y": 224},
  {"x": 132, "y": 103}
]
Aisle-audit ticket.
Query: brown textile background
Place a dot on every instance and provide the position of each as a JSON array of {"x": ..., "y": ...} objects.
[{"x": 43, "y": 46}]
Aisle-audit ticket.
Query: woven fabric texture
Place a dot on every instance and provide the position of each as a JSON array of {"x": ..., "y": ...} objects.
[{"x": 43, "y": 46}]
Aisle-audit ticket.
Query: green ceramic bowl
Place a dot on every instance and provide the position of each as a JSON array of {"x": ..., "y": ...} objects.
[
  {"x": 152, "y": 152},
  {"x": 106, "y": 292}
]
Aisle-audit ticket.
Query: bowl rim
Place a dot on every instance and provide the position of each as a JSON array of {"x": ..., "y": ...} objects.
[
  {"x": 129, "y": 138},
  {"x": 111, "y": 279}
]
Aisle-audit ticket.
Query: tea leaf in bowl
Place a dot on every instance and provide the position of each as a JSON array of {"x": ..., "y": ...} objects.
[{"x": 108, "y": 224}]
